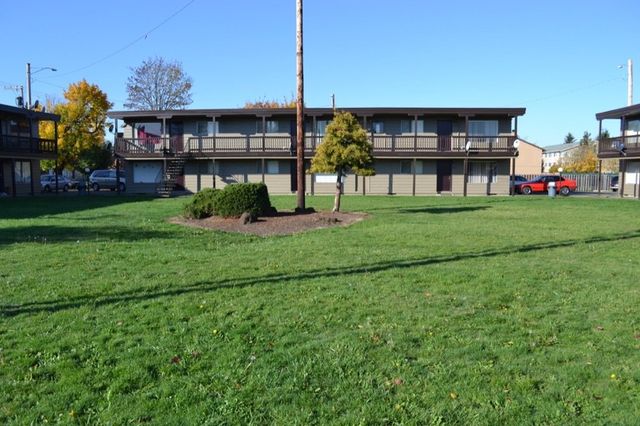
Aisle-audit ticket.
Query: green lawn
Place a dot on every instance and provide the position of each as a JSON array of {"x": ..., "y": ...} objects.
[{"x": 433, "y": 311}]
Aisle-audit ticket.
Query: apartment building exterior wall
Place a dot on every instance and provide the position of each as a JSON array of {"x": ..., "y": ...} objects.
[{"x": 411, "y": 145}]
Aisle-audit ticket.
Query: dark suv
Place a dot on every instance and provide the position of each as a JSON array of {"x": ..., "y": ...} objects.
[{"x": 106, "y": 179}]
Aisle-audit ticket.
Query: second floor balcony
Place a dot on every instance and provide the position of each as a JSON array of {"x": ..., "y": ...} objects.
[
  {"x": 11, "y": 145},
  {"x": 276, "y": 146},
  {"x": 619, "y": 147}
]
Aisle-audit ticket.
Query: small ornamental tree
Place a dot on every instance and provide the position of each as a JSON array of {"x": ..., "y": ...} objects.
[{"x": 344, "y": 149}]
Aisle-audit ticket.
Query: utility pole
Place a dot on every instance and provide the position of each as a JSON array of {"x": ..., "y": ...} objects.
[
  {"x": 629, "y": 82},
  {"x": 299, "y": 110},
  {"x": 29, "y": 74},
  {"x": 28, "y": 85}
]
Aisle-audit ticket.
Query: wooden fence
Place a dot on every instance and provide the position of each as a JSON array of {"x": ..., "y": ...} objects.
[{"x": 587, "y": 182}]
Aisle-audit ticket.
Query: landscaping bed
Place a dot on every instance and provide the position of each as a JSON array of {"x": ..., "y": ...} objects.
[{"x": 283, "y": 223}]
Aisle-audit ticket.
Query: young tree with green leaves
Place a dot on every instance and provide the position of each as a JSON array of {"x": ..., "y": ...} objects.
[{"x": 344, "y": 149}]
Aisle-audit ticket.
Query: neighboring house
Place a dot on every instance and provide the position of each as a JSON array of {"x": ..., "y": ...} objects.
[
  {"x": 625, "y": 147},
  {"x": 529, "y": 161},
  {"x": 21, "y": 149},
  {"x": 416, "y": 150},
  {"x": 552, "y": 155}
]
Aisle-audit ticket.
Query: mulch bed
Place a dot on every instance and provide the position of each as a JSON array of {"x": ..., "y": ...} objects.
[{"x": 284, "y": 223}]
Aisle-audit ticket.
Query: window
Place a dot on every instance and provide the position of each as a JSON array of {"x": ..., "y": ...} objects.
[
  {"x": 483, "y": 128},
  {"x": 273, "y": 167},
  {"x": 321, "y": 127},
  {"x": 272, "y": 126},
  {"x": 206, "y": 128},
  {"x": 405, "y": 167},
  {"x": 633, "y": 126},
  {"x": 409, "y": 126},
  {"x": 632, "y": 173},
  {"x": 18, "y": 127},
  {"x": 377, "y": 127},
  {"x": 23, "y": 171},
  {"x": 482, "y": 172}
]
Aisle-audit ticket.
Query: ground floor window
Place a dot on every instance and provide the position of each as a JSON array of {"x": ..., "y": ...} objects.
[
  {"x": 23, "y": 171},
  {"x": 482, "y": 172},
  {"x": 632, "y": 174},
  {"x": 273, "y": 167}
]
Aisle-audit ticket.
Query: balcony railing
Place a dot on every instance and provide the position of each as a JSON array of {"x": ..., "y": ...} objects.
[
  {"x": 620, "y": 146},
  {"x": 278, "y": 145},
  {"x": 26, "y": 145}
]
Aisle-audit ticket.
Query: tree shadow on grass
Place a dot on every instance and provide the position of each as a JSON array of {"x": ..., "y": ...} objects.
[
  {"x": 61, "y": 234},
  {"x": 11, "y": 310},
  {"x": 33, "y": 207},
  {"x": 444, "y": 210}
]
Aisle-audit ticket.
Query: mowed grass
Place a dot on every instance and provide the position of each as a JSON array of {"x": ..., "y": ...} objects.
[{"x": 433, "y": 311}]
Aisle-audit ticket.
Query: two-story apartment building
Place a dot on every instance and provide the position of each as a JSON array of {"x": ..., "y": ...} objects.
[
  {"x": 21, "y": 149},
  {"x": 625, "y": 147},
  {"x": 455, "y": 151},
  {"x": 554, "y": 155}
]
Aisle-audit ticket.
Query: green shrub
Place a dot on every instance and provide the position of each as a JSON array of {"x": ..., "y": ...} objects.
[
  {"x": 202, "y": 204},
  {"x": 238, "y": 198}
]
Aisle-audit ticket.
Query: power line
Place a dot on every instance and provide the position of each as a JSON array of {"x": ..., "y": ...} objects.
[
  {"x": 128, "y": 45},
  {"x": 570, "y": 91}
]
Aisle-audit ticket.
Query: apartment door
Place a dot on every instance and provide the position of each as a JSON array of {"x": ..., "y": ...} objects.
[
  {"x": 176, "y": 133},
  {"x": 444, "y": 130},
  {"x": 444, "y": 175}
]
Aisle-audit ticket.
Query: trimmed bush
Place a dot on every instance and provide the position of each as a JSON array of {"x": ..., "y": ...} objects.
[
  {"x": 238, "y": 198},
  {"x": 202, "y": 204}
]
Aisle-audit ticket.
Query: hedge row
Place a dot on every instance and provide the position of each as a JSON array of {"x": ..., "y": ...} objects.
[{"x": 231, "y": 201}]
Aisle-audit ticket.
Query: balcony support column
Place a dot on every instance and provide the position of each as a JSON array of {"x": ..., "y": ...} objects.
[
  {"x": 465, "y": 166},
  {"x": 264, "y": 133},
  {"x": 512, "y": 187},
  {"x": 55, "y": 147},
  {"x": 262, "y": 168},
  {"x": 213, "y": 169},
  {"x": 413, "y": 172},
  {"x": 599, "y": 176},
  {"x": 623, "y": 163},
  {"x": 623, "y": 172},
  {"x": 213, "y": 120},
  {"x": 13, "y": 177},
  {"x": 599, "y": 160},
  {"x": 33, "y": 149},
  {"x": 415, "y": 142}
]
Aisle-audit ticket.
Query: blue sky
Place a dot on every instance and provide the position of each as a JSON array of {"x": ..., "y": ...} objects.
[{"x": 559, "y": 59}]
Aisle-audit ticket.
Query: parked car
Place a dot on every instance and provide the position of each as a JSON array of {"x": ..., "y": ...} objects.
[
  {"x": 518, "y": 179},
  {"x": 48, "y": 183},
  {"x": 614, "y": 183},
  {"x": 106, "y": 179},
  {"x": 541, "y": 183}
]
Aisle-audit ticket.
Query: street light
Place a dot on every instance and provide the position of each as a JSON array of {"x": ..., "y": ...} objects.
[
  {"x": 629, "y": 81},
  {"x": 29, "y": 73}
]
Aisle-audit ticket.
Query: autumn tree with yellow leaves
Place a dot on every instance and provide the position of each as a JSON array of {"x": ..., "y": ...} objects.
[{"x": 81, "y": 129}]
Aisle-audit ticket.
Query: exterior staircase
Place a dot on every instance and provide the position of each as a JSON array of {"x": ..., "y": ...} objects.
[{"x": 175, "y": 169}]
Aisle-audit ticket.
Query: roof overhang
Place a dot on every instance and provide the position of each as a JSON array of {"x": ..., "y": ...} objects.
[
  {"x": 619, "y": 113},
  {"x": 27, "y": 113},
  {"x": 411, "y": 111}
]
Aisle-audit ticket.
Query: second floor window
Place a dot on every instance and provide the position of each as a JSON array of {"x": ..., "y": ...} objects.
[
  {"x": 483, "y": 128},
  {"x": 409, "y": 126},
  {"x": 206, "y": 128},
  {"x": 377, "y": 127}
]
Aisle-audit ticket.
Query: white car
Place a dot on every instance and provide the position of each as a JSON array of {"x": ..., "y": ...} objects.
[{"x": 48, "y": 183}]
